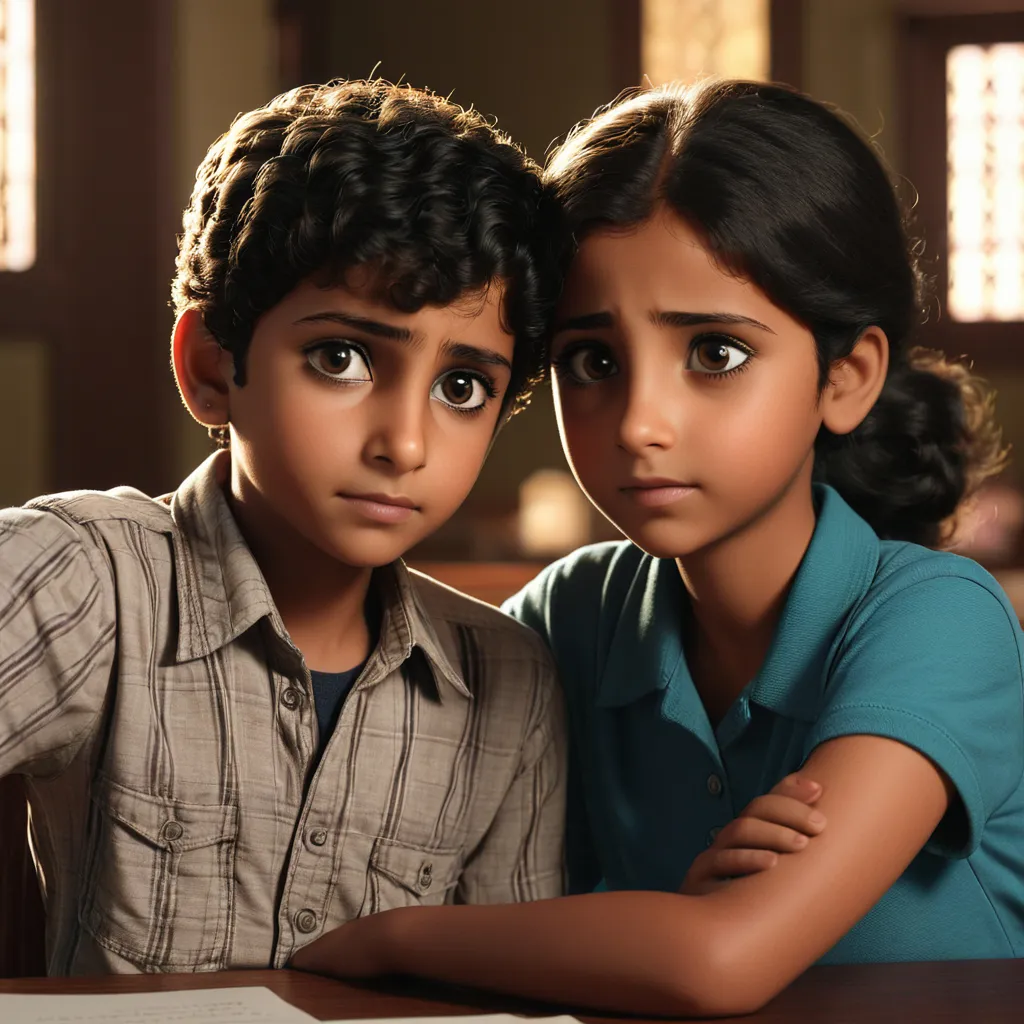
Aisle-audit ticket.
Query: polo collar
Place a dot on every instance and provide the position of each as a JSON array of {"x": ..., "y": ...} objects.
[
  {"x": 646, "y": 652},
  {"x": 221, "y": 590}
]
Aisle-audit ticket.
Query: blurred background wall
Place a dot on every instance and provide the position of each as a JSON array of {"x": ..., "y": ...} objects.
[{"x": 122, "y": 97}]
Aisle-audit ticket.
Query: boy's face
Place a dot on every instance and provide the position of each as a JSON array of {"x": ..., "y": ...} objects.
[{"x": 362, "y": 428}]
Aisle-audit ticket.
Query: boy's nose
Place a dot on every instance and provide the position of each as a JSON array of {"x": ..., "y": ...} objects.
[{"x": 398, "y": 439}]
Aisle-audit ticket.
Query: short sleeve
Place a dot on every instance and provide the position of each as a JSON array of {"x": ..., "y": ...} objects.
[{"x": 937, "y": 666}]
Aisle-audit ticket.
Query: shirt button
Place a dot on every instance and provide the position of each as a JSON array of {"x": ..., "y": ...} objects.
[
  {"x": 715, "y": 786},
  {"x": 713, "y": 834},
  {"x": 172, "y": 831},
  {"x": 318, "y": 836},
  {"x": 426, "y": 874},
  {"x": 290, "y": 698},
  {"x": 305, "y": 921}
]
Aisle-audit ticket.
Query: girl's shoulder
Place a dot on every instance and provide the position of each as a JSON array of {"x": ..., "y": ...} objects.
[
  {"x": 575, "y": 602},
  {"x": 914, "y": 573}
]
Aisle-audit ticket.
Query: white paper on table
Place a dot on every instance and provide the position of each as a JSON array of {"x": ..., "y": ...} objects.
[
  {"x": 252, "y": 1005},
  {"x": 483, "y": 1018}
]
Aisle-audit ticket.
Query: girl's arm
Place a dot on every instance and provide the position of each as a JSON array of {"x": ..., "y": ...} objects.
[{"x": 726, "y": 952}]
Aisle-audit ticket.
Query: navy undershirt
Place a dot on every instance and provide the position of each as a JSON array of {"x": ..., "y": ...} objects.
[{"x": 329, "y": 692}]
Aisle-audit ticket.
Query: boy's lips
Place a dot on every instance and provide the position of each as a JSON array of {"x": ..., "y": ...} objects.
[
  {"x": 382, "y": 508},
  {"x": 655, "y": 491}
]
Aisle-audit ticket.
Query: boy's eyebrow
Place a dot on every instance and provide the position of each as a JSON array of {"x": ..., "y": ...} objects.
[
  {"x": 361, "y": 323},
  {"x": 676, "y": 319},
  {"x": 456, "y": 349},
  {"x": 460, "y": 350}
]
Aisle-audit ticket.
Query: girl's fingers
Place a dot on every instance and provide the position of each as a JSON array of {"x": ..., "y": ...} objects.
[
  {"x": 799, "y": 787},
  {"x": 757, "y": 834},
  {"x": 736, "y": 863},
  {"x": 786, "y": 811}
]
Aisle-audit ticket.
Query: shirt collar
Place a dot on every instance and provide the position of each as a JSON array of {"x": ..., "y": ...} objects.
[
  {"x": 646, "y": 652},
  {"x": 222, "y": 593}
]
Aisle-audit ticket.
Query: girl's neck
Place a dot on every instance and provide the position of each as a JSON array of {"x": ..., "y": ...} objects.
[{"x": 737, "y": 591}]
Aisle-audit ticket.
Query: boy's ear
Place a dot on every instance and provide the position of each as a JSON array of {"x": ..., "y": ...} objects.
[
  {"x": 202, "y": 369},
  {"x": 854, "y": 383}
]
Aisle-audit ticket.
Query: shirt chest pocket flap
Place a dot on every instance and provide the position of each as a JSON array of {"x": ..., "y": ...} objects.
[
  {"x": 402, "y": 875},
  {"x": 161, "y": 886}
]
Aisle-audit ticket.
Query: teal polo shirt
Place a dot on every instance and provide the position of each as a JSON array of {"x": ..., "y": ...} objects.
[{"x": 878, "y": 637}]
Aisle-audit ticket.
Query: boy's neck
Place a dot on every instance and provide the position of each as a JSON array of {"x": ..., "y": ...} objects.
[{"x": 322, "y": 602}]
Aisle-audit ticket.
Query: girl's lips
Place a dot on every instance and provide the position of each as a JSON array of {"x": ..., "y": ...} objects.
[{"x": 659, "y": 494}]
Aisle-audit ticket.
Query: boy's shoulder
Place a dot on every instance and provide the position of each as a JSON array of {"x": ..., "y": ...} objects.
[
  {"x": 76, "y": 519},
  {"x": 85, "y": 507}
]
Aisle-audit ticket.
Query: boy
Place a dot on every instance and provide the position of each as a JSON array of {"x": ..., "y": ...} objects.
[{"x": 242, "y": 720}]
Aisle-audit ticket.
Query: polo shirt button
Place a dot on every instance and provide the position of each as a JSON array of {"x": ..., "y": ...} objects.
[
  {"x": 713, "y": 834},
  {"x": 290, "y": 698},
  {"x": 172, "y": 831},
  {"x": 715, "y": 786},
  {"x": 305, "y": 921},
  {"x": 318, "y": 836}
]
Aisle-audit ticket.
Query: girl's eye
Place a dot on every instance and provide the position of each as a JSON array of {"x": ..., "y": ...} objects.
[
  {"x": 587, "y": 364},
  {"x": 716, "y": 356},
  {"x": 462, "y": 390},
  {"x": 341, "y": 361}
]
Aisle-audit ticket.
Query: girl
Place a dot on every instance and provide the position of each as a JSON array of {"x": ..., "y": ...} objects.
[{"x": 736, "y": 392}]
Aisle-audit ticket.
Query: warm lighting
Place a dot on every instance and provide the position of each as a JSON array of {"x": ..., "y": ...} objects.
[
  {"x": 17, "y": 135},
  {"x": 688, "y": 39},
  {"x": 985, "y": 117},
  {"x": 554, "y": 514}
]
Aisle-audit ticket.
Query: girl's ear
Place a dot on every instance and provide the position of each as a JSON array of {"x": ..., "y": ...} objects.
[
  {"x": 202, "y": 369},
  {"x": 854, "y": 383}
]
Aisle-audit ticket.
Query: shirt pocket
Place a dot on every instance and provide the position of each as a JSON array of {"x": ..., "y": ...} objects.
[
  {"x": 401, "y": 875},
  {"x": 161, "y": 891}
]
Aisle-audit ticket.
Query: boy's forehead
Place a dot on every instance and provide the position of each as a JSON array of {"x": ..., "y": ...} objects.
[{"x": 379, "y": 287}]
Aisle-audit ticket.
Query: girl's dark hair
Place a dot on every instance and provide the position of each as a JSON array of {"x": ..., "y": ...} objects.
[
  {"x": 328, "y": 177},
  {"x": 789, "y": 196}
]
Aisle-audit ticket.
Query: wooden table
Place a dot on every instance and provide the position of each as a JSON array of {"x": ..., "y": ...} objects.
[{"x": 967, "y": 992}]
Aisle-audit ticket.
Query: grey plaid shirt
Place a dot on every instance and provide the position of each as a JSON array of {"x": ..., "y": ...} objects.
[{"x": 165, "y": 724}]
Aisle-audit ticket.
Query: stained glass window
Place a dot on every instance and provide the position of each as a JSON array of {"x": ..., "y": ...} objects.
[
  {"x": 17, "y": 135},
  {"x": 985, "y": 116}
]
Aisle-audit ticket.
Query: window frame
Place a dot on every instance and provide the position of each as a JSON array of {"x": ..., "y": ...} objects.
[{"x": 923, "y": 43}]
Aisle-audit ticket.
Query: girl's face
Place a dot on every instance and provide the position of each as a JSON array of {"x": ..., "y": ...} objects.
[{"x": 687, "y": 402}]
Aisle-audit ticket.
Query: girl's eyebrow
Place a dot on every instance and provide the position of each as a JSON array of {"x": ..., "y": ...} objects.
[
  {"x": 593, "y": 321},
  {"x": 587, "y": 322},
  {"x": 676, "y": 319}
]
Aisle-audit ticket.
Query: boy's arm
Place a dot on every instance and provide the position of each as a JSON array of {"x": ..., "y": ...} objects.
[
  {"x": 57, "y": 638},
  {"x": 521, "y": 857}
]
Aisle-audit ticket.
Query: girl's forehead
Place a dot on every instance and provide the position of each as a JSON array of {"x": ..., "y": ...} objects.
[{"x": 661, "y": 262}]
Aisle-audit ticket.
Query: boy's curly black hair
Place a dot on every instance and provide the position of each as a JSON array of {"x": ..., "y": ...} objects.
[{"x": 327, "y": 177}]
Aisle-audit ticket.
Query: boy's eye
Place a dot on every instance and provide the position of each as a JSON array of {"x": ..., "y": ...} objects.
[
  {"x": 340, "y": 360},
  {"x": 716, "y": 355},
  {"x": 587, "y": 364},
  {"x": 461, "y": 390}
]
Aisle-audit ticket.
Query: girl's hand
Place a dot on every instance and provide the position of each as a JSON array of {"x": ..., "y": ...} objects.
[{"x": 782, "y": 821}]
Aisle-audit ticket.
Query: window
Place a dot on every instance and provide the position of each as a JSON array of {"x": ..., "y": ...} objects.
[
  {"x": 17, "y": 135},
  {"x": 985, "y": 198}
]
